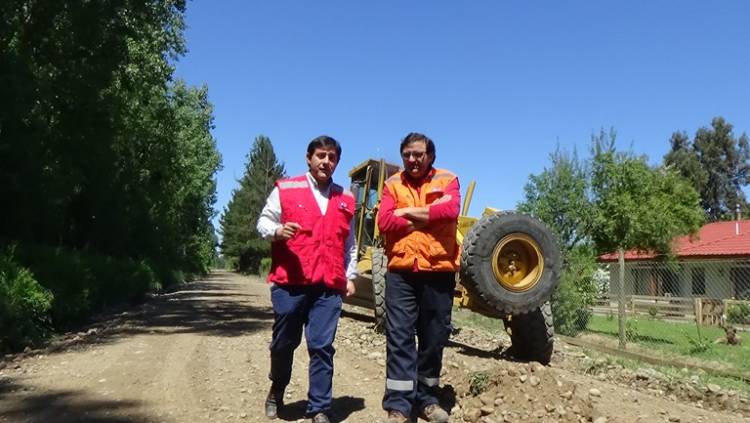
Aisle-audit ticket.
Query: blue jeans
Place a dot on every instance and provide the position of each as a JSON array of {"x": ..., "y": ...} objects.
[
  {"x": 317, "y": 309},
  {"x": 416, "y": 303}
]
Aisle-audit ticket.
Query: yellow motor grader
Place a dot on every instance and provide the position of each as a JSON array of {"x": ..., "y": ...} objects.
[{"x": 510, "y": 264}]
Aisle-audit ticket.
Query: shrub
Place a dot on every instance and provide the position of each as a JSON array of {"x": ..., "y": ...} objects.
[
  {"x": 264, "y": 267},
  {"x": 575, "y": 294},
  {"x": 478, "y": 382},
  {"x": 24, "y": 306},
  {"x": 699, "y": 344},
  {"x": 632, "y": 333},
  {"x": 738, "y": 314},
  {"x": 83, "y": 283}
]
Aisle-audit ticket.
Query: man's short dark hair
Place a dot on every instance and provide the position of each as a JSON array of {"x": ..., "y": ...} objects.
[
  {"x": 323, "y": 141},
  {"x": 415, "y": 137}
]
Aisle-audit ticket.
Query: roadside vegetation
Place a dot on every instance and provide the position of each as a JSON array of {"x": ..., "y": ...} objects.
[{"x": 107, "y": 162}]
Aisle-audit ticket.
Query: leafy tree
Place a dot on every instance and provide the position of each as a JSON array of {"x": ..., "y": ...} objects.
[
  {"x": 559, "y": 197},
  {"x": 612, "y": 201},
  {"x": 636, "y": 206},
  {"x": 101, "y": 150},
  {"x": 68, "y": 72},
  {"x": 716, "y": 163},
  {"x": 102, "y": 154},
  {"x": 241, "y": 242}
]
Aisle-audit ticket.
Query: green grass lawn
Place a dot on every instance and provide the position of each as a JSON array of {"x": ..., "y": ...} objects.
[{"x": 674, "y": 338}]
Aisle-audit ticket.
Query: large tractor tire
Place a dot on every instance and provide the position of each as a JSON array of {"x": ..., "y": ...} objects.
[
  {"x": 379, "y": 267},
  {"x": 532, "y": 334},
  {"x": 511, "y": 261}
]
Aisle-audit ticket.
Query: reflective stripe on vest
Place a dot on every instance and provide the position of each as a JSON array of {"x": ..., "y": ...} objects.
[{"x": 293, "y": 184}]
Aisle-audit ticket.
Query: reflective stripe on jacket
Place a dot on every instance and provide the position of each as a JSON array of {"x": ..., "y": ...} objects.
[
  {"x": 315, "y": 254},
  {"x": 432, "y": 248}
]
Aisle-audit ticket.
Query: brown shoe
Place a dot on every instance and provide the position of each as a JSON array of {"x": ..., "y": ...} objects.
[
  {"x": 274, "y": 402},
  {"x": 395, "y": 416},
  {"x": 435, "y": 413}
]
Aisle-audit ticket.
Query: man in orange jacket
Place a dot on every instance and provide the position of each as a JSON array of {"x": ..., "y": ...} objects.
[{"x": 418, "y": 218}]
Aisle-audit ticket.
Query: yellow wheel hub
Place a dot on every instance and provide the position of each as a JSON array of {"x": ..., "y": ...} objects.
[{"x": 517, "y": 262}]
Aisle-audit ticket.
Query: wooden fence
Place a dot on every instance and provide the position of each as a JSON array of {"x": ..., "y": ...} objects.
[{"x": 707, "y": 311}]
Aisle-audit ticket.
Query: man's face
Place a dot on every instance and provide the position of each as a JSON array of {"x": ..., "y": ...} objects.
[
  {"x": 416, "y": 160},
  {"x": 322, "y": 162}
]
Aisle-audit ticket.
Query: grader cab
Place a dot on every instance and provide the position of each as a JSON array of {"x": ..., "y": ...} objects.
[{"x": 510, "y": 264}]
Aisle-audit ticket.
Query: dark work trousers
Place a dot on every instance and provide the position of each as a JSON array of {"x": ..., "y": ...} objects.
[
  {"x": 317, "y": 309},
  {"x": 416, "y": 303}
]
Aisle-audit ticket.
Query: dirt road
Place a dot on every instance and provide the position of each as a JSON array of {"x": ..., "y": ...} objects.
[{"x": 200, "y": 355}]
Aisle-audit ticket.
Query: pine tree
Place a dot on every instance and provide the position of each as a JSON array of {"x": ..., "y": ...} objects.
[
  {"x": 717, "y": 164},
  {"x": 241, "y": 243}
]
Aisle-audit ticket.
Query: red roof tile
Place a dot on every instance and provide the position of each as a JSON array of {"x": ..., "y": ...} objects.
[{"x": 718, "y": 239}]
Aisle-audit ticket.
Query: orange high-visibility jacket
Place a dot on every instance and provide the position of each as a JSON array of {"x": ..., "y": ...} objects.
[{"x": 433, "y": 247}]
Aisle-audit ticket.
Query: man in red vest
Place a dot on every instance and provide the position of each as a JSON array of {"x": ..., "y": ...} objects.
[
  {"x": 418, "y": 218},
  {"x": 313, "y": 255}
]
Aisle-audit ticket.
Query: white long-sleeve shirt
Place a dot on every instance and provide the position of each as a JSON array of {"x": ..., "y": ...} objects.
[{"x": 270, "y": 220}]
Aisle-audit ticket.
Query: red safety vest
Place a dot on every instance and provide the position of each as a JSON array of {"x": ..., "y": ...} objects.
[{"x": 315, "y": 254}]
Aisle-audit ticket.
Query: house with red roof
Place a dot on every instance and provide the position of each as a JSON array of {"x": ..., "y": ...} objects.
[{"x": 714, "y": 263}]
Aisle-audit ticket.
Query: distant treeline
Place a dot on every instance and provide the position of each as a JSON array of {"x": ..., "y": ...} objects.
[{"x": 107, "y": 164}]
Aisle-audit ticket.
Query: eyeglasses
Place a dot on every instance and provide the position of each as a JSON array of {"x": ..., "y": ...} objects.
[{"x": 418, "y": 155}]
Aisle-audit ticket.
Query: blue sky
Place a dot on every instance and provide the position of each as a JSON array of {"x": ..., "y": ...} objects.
[{"x": 496, "y": 84}]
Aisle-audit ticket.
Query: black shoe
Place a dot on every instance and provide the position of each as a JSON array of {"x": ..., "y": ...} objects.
[
  {"x": 320, "y": 418},
  {"x": 274, "y": 402}
]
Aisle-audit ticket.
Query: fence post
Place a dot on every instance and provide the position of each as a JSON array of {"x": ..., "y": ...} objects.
[
  {"x": 621, "y": 305},
  {"x": 699, "y": 311}
]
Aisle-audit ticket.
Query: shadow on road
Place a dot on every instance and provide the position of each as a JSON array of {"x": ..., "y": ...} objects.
[
  {"x": 63, "y": 407},
  {"x": 447, "y": 396},
  {"x": 465, "y": 349},
  {"x": 360, "y": 315},
  {"x": 342, "y": 408},
  {"x": 216, "y": 306}
]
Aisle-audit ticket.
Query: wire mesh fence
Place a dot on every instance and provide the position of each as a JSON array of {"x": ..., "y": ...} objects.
[{"x": 678, "y": 307}]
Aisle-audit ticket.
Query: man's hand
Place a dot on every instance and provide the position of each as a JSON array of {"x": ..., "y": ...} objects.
[
  {"x": 401, "y": 212},
  {"x": 287, "y": 230},
  {"x": 350, "y": 288}
]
